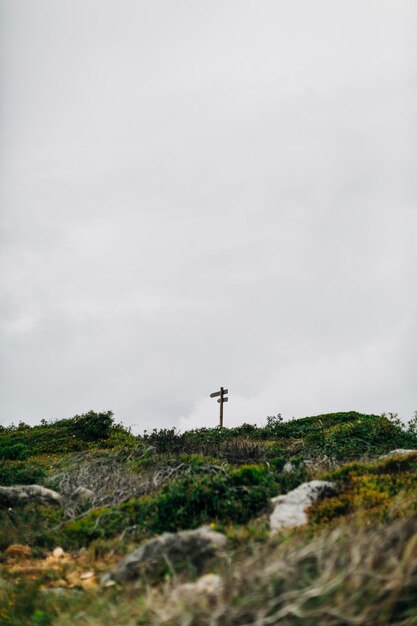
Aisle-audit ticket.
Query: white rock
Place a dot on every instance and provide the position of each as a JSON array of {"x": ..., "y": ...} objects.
[
  {"x": 210, "y": 585},
  {"x": 58, "y": 553},
  {"x": 290, "y": 509},
  {"x": 288, "y": 467},
  {"x": 398, "y": 452},
  {"x": 23, "y": 494}
]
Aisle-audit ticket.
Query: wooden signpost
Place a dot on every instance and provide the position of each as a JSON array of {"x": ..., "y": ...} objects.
[{"x": 222, "y": 399}]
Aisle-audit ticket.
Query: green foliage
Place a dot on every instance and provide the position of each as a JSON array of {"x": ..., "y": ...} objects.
[
  {"x": 19, "y": 473},
  {"x": 28, "y": 524},
  {"x": 13, "y": 452},
  {"x": 300, "y": 428},
  {"x": 231, "y": 484},
  {"x": 329, "y": 509},
  {"x": 164, "y": 440},
  {"x": 18, "y": 606},
  {"x": 82, "y": 432},
  {"x": 92, "y": 426},
  {"x": 338, "y": 435},
  {"x": 191, "y": 502},
  {"x": 235, "y": 496},
  {"x": 368, "y": 487},
  {"x": 225, "y": 478},
  {"x": 365, "y": 436},
  {"x": 390, "y": 465}
]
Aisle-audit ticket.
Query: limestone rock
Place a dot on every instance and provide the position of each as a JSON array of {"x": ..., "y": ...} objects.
[
  {"x": 191, "y": 547},
  {"x": 290, "y": 509},
  {"x": 24, "y": 494},
  {"x": 58, "y": 553},
  {"x": 398, "y": 452},
  {"x": 209, "y": 586}
]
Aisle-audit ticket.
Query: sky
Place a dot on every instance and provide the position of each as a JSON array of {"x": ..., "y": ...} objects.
[{"x": 196, "y": 194}]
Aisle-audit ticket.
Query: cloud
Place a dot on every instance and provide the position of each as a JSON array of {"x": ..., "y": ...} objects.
[{"x": 201, "y": 195}]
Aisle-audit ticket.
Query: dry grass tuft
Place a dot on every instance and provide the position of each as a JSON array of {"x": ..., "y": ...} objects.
[{"x": 343, "y": 577}]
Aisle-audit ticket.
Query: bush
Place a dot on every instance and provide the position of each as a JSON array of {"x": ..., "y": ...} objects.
[
  {"x": 365, "y": 435},
  {"x": 92, "y": 426},
  {"x": 339, "y": 435},
  {"x": 164, "y": 440},
  {"x": 28, "y": 524},
  {"x": 368, "y": 489},
  {"x": 15, "y": 452},
  {"x": 235, "y": 496},
  {"x": 19, "y": 473},
  {"x": 81, "y": 432}
]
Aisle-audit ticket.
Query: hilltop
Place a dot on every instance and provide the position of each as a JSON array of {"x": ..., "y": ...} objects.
[{"x": 353, "y": 562}]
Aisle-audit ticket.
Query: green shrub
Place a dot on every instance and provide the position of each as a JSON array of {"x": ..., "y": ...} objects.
[
  {"x": 368, "y": 488},
  {"x": 25, "y": 604},
  {"x": 17, "y": 451},
  {"x": 329, "y": 509},
  {"x": 92, "y": 426},
  {"x": 28, "y": 524},
  {"x": 364, "y": 435},
  {"x": 19, "y": 473},
  {"x": 339, "y": 435},
  {"x": 164, "y": 440},
  {"x": 234, "y": 497},
  {"x": 82, "y": 432}
]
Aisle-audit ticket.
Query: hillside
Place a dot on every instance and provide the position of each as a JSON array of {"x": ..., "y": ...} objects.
[{"x": 353, "y": 561}]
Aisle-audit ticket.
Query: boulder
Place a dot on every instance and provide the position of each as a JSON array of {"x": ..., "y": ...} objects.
[
  {"x": 290, "y": 509},
  {"x": 291, "y": 467},
  {"x": 24, "y": 494},
  {"x": 398, "y": 452},
  {"x": 58, "y": 553},
  {"x": 208, "y": 586},
  {"x": 187, "y": 547}
]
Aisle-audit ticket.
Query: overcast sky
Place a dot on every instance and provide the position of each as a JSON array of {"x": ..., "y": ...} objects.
[{"x": 198, "y": 193}]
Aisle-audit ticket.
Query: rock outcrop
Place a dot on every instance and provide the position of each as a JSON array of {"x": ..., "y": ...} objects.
[
  {"x": 209, "y": 586},
  {"x": 398, "y": 452},
  {"x": 290, "y": 509},
  {"x": 24, "y": 494},
  {"x": 175, "y": 550}
]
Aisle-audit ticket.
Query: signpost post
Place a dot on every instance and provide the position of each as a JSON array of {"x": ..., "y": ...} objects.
[{"x": 222, "y": 399}]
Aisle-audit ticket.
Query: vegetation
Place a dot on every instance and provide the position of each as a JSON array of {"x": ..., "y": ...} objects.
[{"x": 353, "y": 563}]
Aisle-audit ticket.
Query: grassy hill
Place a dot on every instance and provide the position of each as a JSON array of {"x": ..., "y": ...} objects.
[{"x": 355, "y": 562}]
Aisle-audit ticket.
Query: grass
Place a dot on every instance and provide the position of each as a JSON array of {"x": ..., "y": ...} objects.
[
  {"x": 371, "y": 489},
  {"x": 355, "y": 562},
  {"x": 337, "y": 577}
]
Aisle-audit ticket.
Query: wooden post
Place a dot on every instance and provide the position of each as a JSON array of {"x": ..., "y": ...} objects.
[
  {"x": 222, "y": 395},
  {"x": 221, "y": 406}
]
